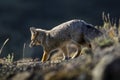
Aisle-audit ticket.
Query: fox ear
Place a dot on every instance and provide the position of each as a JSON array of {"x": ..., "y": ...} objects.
[{"x": 33, "y": 29}]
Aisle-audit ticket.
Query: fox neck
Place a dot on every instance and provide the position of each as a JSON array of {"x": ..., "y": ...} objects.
[
  {"x": 47, "y": 40},
  {"x": 44, "y": 38}
]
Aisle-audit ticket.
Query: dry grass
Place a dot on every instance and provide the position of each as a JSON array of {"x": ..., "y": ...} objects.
[
  {"x": 24, "y": 46},
  {"x": 1, "y": 49},
  {"x": 110, "y": 30}
]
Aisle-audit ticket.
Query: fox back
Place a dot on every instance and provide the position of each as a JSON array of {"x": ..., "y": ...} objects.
[{"x": 74, "y": 28}]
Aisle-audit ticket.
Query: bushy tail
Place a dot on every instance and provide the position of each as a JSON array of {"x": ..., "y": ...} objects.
[{"x": 91, "y": 32}]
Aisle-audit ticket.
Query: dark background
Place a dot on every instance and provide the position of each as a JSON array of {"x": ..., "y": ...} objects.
[{"x": 17, "y": 16}]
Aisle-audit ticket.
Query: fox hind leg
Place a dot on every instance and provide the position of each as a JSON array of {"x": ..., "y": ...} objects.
[
  {"x": 78, "y": 41},
  {"x": 81, "y": 41},
  {"x": 79, "y": 49},
  {"x": 77, "y": 53}
]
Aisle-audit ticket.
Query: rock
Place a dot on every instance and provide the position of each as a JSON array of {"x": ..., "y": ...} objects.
[
  {"x": 21, "y": 76},
  {"x": 108, "y": 68}
]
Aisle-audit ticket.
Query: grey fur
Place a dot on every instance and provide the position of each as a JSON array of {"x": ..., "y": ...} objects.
[{"x": 66, "y": 32}]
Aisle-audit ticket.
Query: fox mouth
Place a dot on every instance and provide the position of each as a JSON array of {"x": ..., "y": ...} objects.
[{"x": 32, "y": 44}]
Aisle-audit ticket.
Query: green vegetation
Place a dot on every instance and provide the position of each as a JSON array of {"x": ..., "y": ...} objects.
[
  {"x": 111, "y": 31},
  {"x": 9, "y": 58}
]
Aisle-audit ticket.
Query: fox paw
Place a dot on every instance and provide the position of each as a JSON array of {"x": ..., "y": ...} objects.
[{"x": 66, "y": 58}]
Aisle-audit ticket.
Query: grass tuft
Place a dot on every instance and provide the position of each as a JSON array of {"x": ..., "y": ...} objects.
[
  {"x": 4, "y": 45},
  {"x": 24, "y": 46}
]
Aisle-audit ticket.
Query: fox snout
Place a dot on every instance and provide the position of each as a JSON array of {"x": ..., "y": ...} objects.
[{"x": 31, "y": 44}]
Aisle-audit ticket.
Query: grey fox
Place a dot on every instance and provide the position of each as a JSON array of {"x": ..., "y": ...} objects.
[{"x": 77, "y": 31}]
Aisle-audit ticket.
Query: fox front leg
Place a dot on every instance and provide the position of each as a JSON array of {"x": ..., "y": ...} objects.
[
  {"x": 78, "y": 52},
  {"x": 45, "y": 56},
  {"x": 65, "y": 53}
]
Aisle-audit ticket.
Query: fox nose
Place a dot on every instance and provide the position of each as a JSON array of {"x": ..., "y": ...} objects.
[{"x": 31, "y": 45}]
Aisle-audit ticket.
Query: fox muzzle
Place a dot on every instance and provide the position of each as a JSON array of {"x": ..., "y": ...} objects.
[{"x": 31, "y": 44}]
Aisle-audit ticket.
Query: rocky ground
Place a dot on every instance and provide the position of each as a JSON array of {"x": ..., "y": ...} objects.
[{"x": 103, "y": 64}]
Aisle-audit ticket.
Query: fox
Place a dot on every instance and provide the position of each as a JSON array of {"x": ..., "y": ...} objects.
[{"x": 76, "y": 31}]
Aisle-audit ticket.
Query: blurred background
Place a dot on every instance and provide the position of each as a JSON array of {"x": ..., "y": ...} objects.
[{"x": 17, "y": 16}]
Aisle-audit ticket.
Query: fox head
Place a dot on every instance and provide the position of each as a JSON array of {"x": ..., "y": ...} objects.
[{"x": 37, "y": 36}]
